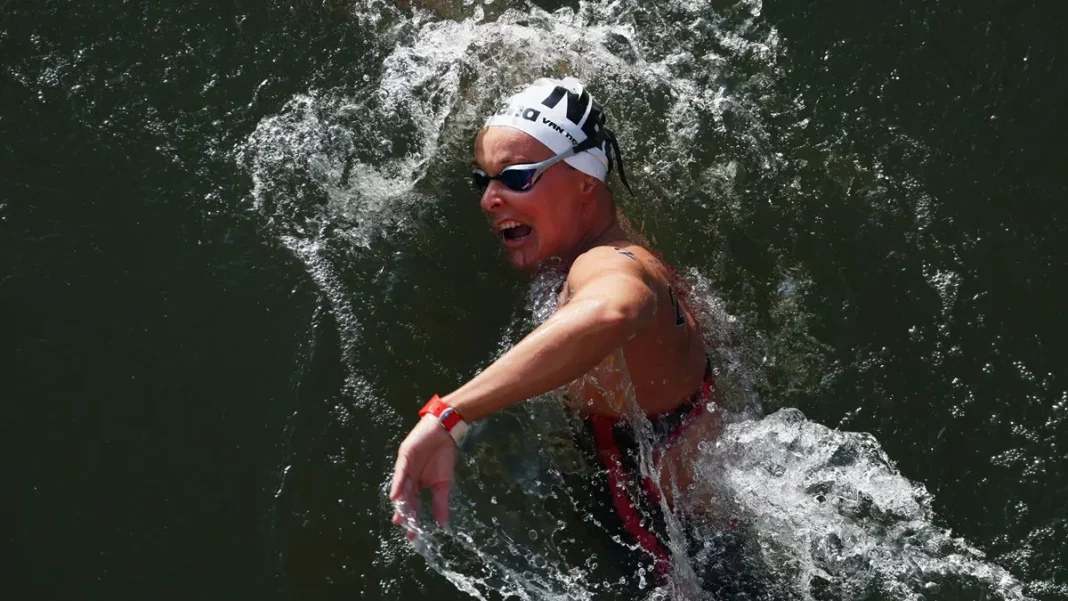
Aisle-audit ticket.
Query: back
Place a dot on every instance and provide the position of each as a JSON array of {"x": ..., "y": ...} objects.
[{"x": 664, "y": 363}]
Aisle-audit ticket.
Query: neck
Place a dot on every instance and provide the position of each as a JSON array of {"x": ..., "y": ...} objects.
[
  {"x": 611, "y": 232},
  {"x": 607, "y": 232}
]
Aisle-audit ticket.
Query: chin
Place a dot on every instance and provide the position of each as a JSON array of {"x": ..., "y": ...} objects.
[
  {"x": 522, "y": 263},
  {"x": 527, "y": 259},
  {"x": 532, "y": 266}
]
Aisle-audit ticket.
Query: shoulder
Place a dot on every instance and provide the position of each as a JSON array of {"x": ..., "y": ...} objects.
[
  {"x": 616, "y": 279},
  {"x": 623, "y": 264},
  {"x": 619, "y": 259}
]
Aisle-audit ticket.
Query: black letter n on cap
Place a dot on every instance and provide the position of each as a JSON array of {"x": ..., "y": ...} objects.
[{"x": 576, "y": 108}]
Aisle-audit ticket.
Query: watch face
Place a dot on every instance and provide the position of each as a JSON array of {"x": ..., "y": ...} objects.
[{"x": 449, "y": 418}]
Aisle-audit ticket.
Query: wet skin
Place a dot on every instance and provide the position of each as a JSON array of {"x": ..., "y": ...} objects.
[{"x": 614, "y": 335}]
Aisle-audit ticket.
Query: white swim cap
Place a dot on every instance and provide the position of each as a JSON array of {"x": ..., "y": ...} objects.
[{"x": 560, "y": 114}]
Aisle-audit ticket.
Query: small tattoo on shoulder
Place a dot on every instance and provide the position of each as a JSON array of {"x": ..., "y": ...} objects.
[{"x": 625, "y": 253}]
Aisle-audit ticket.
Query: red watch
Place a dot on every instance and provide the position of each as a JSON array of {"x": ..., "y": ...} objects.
[{"x": 447, "y": 417}]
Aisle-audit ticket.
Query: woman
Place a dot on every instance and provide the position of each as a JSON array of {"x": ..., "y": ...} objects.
[{"x": 621, "y": 330}]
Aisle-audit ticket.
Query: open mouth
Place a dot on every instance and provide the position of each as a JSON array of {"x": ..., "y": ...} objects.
[{"x": 513, "y": 231}]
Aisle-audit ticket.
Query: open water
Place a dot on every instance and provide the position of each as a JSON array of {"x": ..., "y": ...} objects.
[{"x": 238, "y": 250}]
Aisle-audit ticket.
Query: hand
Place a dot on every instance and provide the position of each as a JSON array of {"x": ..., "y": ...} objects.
[{"x": 426, "y": 459}]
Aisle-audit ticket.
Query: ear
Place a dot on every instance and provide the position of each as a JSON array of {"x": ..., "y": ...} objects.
[{"x": 588, "y": 188}]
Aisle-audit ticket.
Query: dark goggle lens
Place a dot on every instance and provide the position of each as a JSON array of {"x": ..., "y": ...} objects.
[
  {"x": 480, "y": 180},
  {"x": 518, "y": 180}
]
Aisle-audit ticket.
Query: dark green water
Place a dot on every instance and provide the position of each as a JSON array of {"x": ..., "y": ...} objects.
[{"x": 197, "y": 410}]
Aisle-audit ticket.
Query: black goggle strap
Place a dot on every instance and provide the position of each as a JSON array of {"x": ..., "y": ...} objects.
[
  {"x": 588, "y": 143},
  {"x": 613, "y": 148}
]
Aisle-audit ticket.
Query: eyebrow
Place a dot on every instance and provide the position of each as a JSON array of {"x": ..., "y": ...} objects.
[{"x": 511, "y": 159}]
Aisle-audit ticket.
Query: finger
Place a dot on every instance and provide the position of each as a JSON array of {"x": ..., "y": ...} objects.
[
  {"x": 409, "y": 501},
  {"x": 439, "y": 507},
  {"x": 411, "y": 526},
  {"x": 406, "y": 507},
  {"x": 409, "y": 510},
  {"x": 400, "y": 476}
]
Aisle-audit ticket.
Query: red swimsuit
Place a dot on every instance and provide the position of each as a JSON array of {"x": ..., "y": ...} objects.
[{"x": 634, "y": 497}]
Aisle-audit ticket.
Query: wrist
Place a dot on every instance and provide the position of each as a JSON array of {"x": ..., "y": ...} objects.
[
  {"x": 447, "y": 417},
  {"x": 469, "y": 404}
]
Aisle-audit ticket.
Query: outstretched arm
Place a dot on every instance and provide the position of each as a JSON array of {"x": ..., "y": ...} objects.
[{"x": 610, "y": 302}]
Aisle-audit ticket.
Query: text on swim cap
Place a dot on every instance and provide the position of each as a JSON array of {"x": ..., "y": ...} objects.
[
  {"x": 522, "y": 112},
  {"x": 519, "y": 111},
  {"x": 559, "y": 129}
]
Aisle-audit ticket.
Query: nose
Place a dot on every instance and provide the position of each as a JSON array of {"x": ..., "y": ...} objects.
[{"x": 491, "y": 200}]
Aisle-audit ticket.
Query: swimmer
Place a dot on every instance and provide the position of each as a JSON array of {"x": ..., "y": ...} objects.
[{"x": 621, "y": 326}]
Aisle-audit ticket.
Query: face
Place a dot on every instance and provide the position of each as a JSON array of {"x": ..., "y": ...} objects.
[{"x": 550, "y": 215}]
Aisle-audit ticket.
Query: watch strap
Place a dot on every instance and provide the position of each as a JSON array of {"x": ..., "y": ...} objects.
[{"x": 447, "y": 417}]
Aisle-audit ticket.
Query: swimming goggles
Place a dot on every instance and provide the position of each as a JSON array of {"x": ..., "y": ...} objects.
[{"x": 520, "y": 178}]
